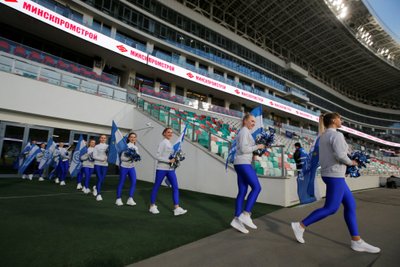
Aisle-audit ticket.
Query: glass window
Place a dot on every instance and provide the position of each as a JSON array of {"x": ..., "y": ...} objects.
[
  {"x": 179, "y": 91},
  {"x": 146, "y": 23},
  {"x": 106, "y": 6},
  {"x": 61, "y": 135},
  {"x": 179, "y": 20},
  {"x": 14, "y": 132},
  {"x": 134, "y": 18},
  {"x": 163, "y": 31},
  {"x": 39, "y": 135},
  {"x": 126, "y": 15},
  {"x": 164, "y": 12},
  {"x": 165, "y": 87},
  {"x": 189, "y": 61},
  {"x": 218, "y": 72}
]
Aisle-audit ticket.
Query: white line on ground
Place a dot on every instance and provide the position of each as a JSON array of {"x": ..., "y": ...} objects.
[{"x": 48, "y": 195}]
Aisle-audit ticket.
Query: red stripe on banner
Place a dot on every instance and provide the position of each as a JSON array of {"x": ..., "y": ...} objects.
[{"x": 13, "y": 1}]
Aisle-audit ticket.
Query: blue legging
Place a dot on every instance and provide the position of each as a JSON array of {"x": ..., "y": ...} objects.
[
  {"x": 88, "y": 173},
  {"x": 246, "y": 176},
  {"x": 101, "y": 172},
  {"x": 337, "y": 192},
  {"x": 123, "y": 172},
  {"x": 63, "y": 169},
  {"x": 39, "y": 172},
  {"x": 79, "y": 176},
  {"x": 171, "y": 176}
]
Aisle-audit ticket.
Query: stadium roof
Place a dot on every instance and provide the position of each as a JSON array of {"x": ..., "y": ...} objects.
[{"x": 337, "y": 42}]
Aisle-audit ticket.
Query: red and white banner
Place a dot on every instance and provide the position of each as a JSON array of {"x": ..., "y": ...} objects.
[
  {"x": 74, "y": 28},
  {"x": 60, "y": 22}
]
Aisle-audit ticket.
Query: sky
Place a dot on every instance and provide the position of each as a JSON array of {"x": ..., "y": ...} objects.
[{"x": 387, "y": 13}]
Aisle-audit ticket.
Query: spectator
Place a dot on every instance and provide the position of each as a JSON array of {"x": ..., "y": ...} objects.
[{"x": 299, "y": 156}]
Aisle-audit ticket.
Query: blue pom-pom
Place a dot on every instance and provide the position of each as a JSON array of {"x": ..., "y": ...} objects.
[
  {"x": 179, "y": 156},
  {"x": 362, "y": 159},
  {"x": 264, "y": 138},
  {"x": 131, "y": 152}
]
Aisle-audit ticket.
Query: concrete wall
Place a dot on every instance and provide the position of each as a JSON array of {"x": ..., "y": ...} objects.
[{"x": 29, "y": 101}]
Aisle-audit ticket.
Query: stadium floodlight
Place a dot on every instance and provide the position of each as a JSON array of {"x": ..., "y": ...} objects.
[{"x": 343, "y": 13}]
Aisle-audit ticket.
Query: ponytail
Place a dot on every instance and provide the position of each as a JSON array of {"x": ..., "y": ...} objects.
[{"x": 321, "y": 127}]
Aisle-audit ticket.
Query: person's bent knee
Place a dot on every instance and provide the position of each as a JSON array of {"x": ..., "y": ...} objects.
[{"x": 331, "y": 211}]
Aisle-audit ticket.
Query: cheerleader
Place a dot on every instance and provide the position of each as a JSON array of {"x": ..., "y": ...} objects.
[
  {"x": 64, "y": 163},
  {"x": 30, "y": 170},
  {"x": 100, "y": 165},
  {"x": 39, "y": 157},
  {"x": 246, "y": 175},
  {"x": 79, "y": 176},
  {"x": 163, "y": 170},
  {"x": 88, "y": 165},
  {"x": 333, "y": 157},
  {"x": 56, "y": 164},
  {"x": 127, "y": 168}
]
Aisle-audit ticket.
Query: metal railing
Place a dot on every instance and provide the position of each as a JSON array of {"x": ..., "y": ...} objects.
[
  {"x": 40, "y": 72},
  {"x": 273, "y": 166}
]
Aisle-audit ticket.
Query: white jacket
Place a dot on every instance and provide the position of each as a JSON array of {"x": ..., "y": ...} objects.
[
  {"x": 100, "y": 155},
  {"x": 164, "y": 150}
]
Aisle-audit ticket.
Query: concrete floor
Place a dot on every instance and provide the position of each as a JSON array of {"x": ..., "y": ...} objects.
[{"x": 327, "y": 241}]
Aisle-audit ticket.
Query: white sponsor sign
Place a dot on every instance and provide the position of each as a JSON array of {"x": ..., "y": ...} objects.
[{"x": 67, "y": 25}]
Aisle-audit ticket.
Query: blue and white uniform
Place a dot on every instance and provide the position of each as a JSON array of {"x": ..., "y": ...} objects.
[
  {"x": 30, "y": 170},
  {"x": 87, "y": 166},
  {"x": 56, "y": 164},
  {"x": 100, "y": 164},
  {"x": 246, "y": 175},
  {"x": 64, "y": 163},
  {"x": 39, "y": 157},
  {"x": 333, "y": 157},
  {"x": 164, "y": 151},
  {"x": 127, "y": 168}
]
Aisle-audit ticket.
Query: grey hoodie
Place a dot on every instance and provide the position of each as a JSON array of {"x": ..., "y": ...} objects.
[
  {"x": 245, "y": 146},
  {"x": 333, "y": 151}
]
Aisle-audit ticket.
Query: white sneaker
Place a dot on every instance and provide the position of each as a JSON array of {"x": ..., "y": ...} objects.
[
  {"x": 24, "y": 176},
  {"x": 30, "y": 177},
  {"x": 62, "y": 183},
  {"x": 246, "y": 219},
  {"x": 41, "y": 179},
  {"x": 362, "y": 246},
  {"x": 79, "y": 186},
  {"x": 86, "y": 190},
  {"x": 57, "y": 181},
  {"x": 179, "y": 211},
  {"x": 298, "y": 232},
  {"x": 153, "y": 209},
  {"x": 94, "y": 191},
  {"x": 99, "y": 198},
  {"x": 238, "y": 225},
  {"x": 131, "y": 202},
  {"x": 118, "y": 202}
]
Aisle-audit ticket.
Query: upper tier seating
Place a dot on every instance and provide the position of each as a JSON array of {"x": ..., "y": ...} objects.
[{"x": 53, "y": 61}]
